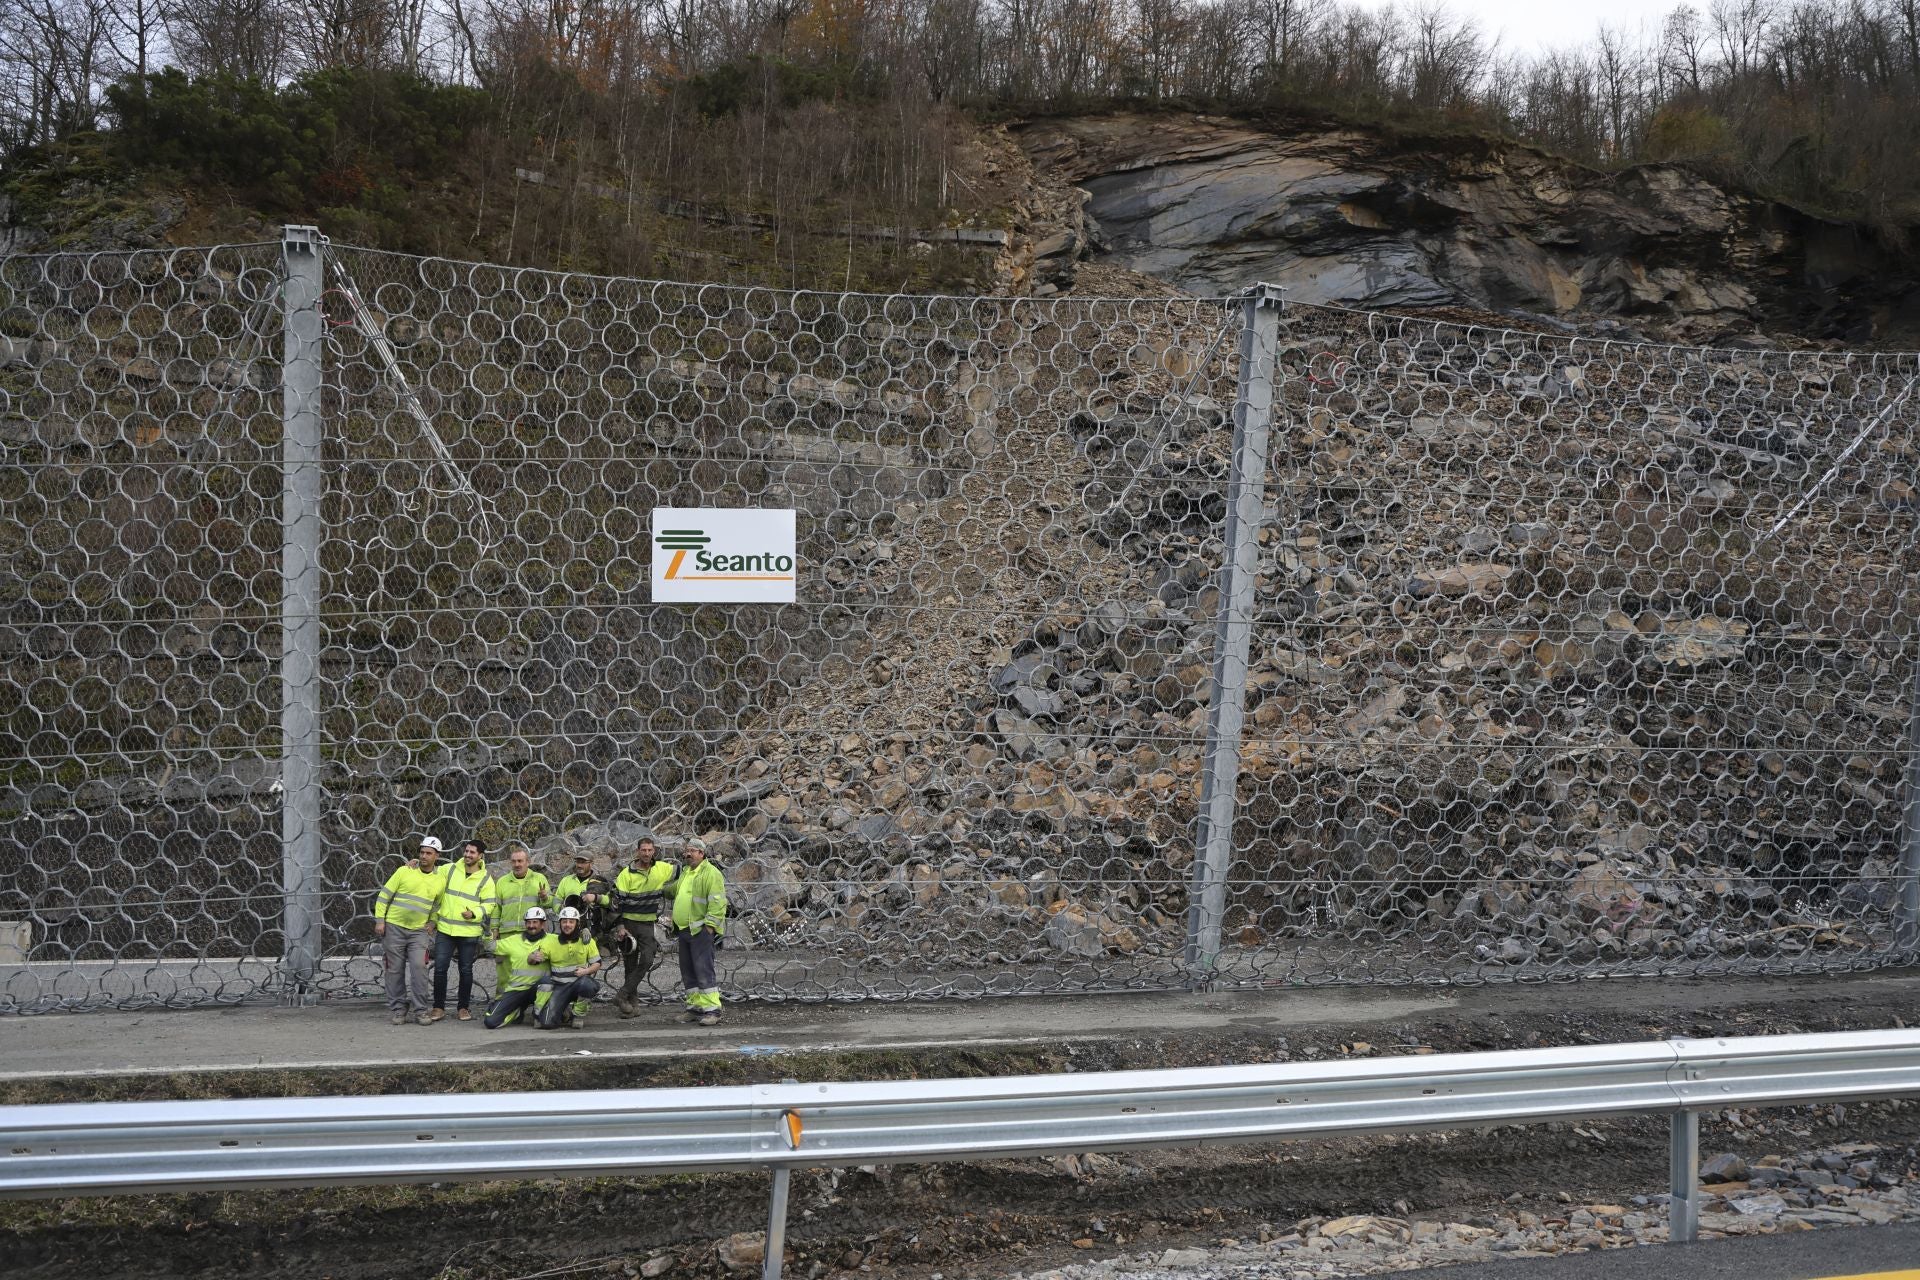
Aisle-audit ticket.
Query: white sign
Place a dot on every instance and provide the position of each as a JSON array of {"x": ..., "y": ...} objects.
[{"x": 724, "y": 554}]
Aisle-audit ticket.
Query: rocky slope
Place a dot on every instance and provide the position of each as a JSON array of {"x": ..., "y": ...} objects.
[
  {"x": 1569, "y": 654},
  {"x": 1535, "y": 684},
  {"x": 1364, "y": 218}
]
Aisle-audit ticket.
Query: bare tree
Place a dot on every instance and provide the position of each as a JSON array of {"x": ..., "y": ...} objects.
[
  {"x": 1445, "y": 58},
  {"x": 1740, "y": 30},
  {"x": 139, "y": 36},
  {"x": 949, "y": 39},
  {"x": 244, "y": 38},
  {"x": 1683, "y": 49},
  {"x": 1620, "y": 73},
  {"x": 342, "y": 33},
  {"x": 58, "y": 55}
]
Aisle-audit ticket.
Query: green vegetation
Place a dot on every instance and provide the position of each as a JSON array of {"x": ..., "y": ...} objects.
[{"x": 357, "y": 141}]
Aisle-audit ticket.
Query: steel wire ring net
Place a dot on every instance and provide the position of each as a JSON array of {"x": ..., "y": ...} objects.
[{"x": 1568, "y": 657}]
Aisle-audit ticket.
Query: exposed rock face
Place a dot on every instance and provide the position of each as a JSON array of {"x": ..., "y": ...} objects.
[{"x": 1350, "y": 217}]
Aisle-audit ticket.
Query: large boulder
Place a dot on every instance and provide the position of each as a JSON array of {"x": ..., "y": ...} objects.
[{"x": 607, "y": 843}]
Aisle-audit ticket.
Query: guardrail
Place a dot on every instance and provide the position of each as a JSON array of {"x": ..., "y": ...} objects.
[{"x": 91, "y": 1149}]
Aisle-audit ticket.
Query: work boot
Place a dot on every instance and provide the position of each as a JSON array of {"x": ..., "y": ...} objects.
[
  {"x": 397, "y": 1019},
  {"x": 436, "y": 1015},
  {"x": 579, "y": 1021},
  {"x": 421, "y": 1019},
  {"x": 691, "y": 1015},
  {"x": 624, "y": 1003},
  {"x": 711, "y": 1018}
]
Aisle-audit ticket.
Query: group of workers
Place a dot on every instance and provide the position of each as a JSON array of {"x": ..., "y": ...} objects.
[{"x": 453, "y": 910}]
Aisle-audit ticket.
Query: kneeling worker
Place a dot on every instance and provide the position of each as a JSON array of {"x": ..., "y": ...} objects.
[
  {"x": 572, "y": 959},
  {"x": 523, "y": 967}
]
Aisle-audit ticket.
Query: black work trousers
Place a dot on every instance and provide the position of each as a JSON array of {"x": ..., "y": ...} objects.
[
  {"x": 639, "y": 962},
  {"x": 564, "y": 994},
  {"x": 509, "y": 1006}
]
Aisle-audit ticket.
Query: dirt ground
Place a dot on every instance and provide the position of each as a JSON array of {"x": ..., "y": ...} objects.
[{"x": 977, "y": 1220}]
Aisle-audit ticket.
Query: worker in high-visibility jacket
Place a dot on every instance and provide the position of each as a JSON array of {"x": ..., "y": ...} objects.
[
  {"x": 572, "y": 959},
  {"x": 403, "y": 917},
  {"x": 581, "y": 888},
  {"x": 523, "y": 967},
  {"x": 699, "y": 920},
  {"x": 639, "y": 892},
  {"x": 519, "y": 889},
  {"x": 467, "y": 909}
]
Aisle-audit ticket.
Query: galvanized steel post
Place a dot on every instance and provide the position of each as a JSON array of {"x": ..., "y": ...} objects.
[
  {"x": 1233, "y": 633},
  {"x": 1906, "y": 925},
  {"x": 1683, "y": 1168},
  {"x": 301, "y": 871},
  {"x": 777, "y": 1224}
]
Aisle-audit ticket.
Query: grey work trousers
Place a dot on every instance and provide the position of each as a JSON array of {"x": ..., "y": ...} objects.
[{"x": 405, "y": 954}]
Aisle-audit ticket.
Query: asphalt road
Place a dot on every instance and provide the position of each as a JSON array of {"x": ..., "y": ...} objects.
[
  {"x": 356, "y": 1034},
  {"x": 1805, "y": 1255}
]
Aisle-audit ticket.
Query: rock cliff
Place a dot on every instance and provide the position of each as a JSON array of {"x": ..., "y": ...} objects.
[{"x": 1368, "y": 219}]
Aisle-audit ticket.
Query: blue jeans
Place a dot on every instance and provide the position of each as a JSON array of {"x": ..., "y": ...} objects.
[{"x": 444, "y": 949}]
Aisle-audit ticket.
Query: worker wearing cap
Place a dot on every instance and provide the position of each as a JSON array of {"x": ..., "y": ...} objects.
[
  {"x": 699, "y": 920},
  {"x": 572, "y": 960},
  {"x": 639, "y": 891},
  {"x": 403, "y": 916},
  {"x": 582, "y": 889},
  {"x": 520, "y": 889},
  {"x": 523, "y": 967},
  {"x": 466, "y": 914}
]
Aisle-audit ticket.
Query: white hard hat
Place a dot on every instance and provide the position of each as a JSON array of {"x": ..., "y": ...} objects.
[
  {"x": 566, "y": 913},
  {"x": 536, "y": 913},
  {"x": 431, "y": 842}
]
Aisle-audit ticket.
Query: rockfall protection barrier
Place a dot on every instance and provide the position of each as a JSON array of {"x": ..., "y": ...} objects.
[{"x": 1137, "y": 642}]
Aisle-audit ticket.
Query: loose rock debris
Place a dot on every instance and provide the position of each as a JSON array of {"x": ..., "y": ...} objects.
[{"x": 1855, "y": 1184}]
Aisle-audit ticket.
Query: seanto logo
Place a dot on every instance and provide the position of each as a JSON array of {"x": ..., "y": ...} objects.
[{"x": 728, "y": 555}]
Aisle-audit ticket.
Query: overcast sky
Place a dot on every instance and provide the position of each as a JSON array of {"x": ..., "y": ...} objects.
[{"x": 1531, "y": 26}]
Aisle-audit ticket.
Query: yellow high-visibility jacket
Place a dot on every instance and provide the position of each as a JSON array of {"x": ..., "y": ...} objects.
[
  {"x": 517, "y": 972},
  {"x": 465, "y": 892},
  {"x": 516, "y": 895},
  {"x": 638, "y": 895},
  {"x": 565, "y": 960},
  {"x": 410, "y": 896},
  {"x": 701, "y": 899}
]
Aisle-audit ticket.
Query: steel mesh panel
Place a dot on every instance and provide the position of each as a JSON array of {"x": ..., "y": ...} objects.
[
  {"x": 1576, "y": 657},
  {"x": 914, "y": 763},
  {"x": 139, "y": 588},
  {"x": 1568, "y": 657}
]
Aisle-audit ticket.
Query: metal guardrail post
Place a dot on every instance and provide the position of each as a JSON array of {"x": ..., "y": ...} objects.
[
  {"x": 1233, "y": 637},
  {"x": 1906, "y": 931},
  {"x": 1683, "y": 1165},
  {"x": 300, "y": 532},
  {"x": 777, "y": 1224}
]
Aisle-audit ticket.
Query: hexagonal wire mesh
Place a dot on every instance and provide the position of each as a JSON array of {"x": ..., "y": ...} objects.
[
  {"x": 909, "y": 766},
  {"x": 1577, "y": 657},
  {"x": 139, "y": 523},
  {"x": 1568, "y": 656}
]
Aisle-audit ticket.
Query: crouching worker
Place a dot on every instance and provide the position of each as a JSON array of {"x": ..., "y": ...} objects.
[
  {"x": 523, "y": 968},
  {"x": 572, "y": 959}
]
